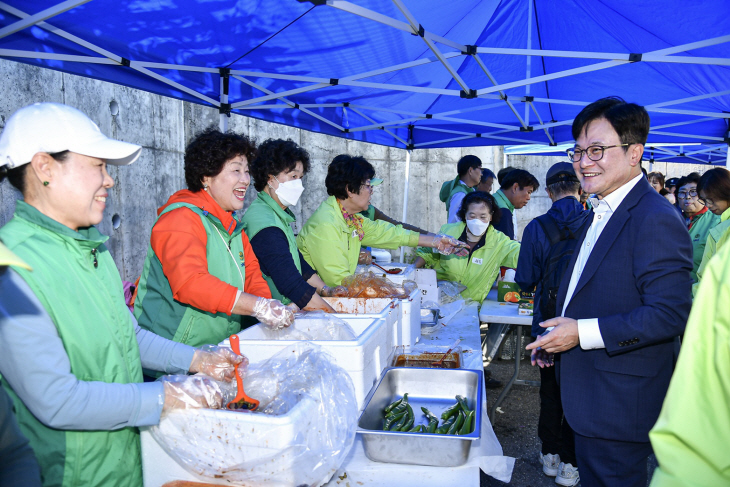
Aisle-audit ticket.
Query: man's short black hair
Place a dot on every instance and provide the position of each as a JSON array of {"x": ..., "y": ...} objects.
[
  {"x": 466, "y": 163},
  {"x": 503, "y": 172},
  {"x": 629, "y": 120},
  {"x": 274, "y": 157},
  {"x": 479, "y": 197},
  {"x": 522, "y": 178},
  {"x": 210, "y": 150},
  {"x": 715, "y": 183},
  {"x": 692, "y": 177},
  {"x": 347, "y": 173},
  {"x": 486, "y": 174},
  {"x": 564, "y": 188}
]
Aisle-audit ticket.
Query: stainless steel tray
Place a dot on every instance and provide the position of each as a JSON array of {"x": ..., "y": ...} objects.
[{"x": 434, "y": 389}]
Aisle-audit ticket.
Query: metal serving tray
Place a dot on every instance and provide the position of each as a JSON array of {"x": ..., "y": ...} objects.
[{"x": 435, "y": 389}]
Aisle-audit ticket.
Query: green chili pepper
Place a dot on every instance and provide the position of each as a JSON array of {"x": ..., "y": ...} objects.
[
  {"x": 441, "y": 430},
  {"x": 457, "y": 424},
  {"x": 462, "y": 402},
  {"x": 452, "y": 411},
  {"x": 409, "y": 422},
  {"x": 392, "y": 405},
  {"x": 397, "y": 426},
  {"x": 390, "y": 420},
  {"x": 402, "y": 406},
  {"x": 468, "y": 424},
  {"x": 429, "y": 414},
  {"x": 432, "y": 425},
  {"x": 416, "y": 429}
]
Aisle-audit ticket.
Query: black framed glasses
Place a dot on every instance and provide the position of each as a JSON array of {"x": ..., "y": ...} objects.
[
  {"x": 593, "y": 152},
  {"x": 706, "y": 201},
  {"x": 685, "y": 195}
]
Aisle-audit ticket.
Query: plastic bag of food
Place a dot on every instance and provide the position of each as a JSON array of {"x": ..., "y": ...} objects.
[
  {"x": 450, "y": 291},
  {"x": 368, "y": 285},
  {"x": 300, "y": 434},
  {"x": 312, "y": 325}
]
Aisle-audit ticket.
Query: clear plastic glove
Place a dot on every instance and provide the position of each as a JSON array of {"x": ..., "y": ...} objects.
[
  {"x": 447, "y": 245},
  {"x": 217, "y": 362},
  {"x": 273, "y": 313},
  {"x": 190, "y": 392},
  {"x": 329, "y": 292}
]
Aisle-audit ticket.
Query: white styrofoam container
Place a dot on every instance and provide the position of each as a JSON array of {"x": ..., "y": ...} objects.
[
  {"x": 214, "y": 430},
  {"x": 386, "y": 308},
  {"x": 427, "y": 283},
  {"x": 397, "y": 279},
  {"x": 363, "y": 358},
  {"x": 409, "y": 327}
]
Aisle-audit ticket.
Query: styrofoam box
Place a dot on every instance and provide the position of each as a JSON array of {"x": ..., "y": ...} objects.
[
  {"x": 427, "y": 283},
  {"x": 409, "y": 328},
  {"x": 394, "y": 278},
  {"x": 363, "y": 358},
  {"x": 211, "y": 429}
]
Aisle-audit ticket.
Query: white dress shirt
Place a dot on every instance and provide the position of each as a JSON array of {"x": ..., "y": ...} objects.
[
  {"x": 588, "y": 331},
  {"x": 455, "y": 204}
]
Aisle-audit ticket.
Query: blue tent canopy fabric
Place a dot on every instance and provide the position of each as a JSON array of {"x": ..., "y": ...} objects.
[{"x": 402, "y": 73}]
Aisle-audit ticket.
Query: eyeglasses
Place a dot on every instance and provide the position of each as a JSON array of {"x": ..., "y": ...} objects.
[
  {"x": 691, "y": 194},
  {"x": 369, "y": 187},
  {"x": 594, "y": 152},
  {"x": 707, "y": 201}
]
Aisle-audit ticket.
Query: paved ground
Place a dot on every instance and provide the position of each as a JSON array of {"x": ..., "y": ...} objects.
[{"x": 516, "y": 427}]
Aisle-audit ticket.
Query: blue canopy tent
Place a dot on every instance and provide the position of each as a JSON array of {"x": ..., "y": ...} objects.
[{"x": 403, "y": 73}]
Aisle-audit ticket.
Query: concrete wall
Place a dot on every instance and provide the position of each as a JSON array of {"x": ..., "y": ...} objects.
[{"x": 163, "y": 126}]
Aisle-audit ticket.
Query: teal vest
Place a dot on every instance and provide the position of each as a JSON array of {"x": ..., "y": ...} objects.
[
  {"x": 264, "y": 212},
  {"x": 157, "y": 311},
  {"x": 86, "y": 304}
]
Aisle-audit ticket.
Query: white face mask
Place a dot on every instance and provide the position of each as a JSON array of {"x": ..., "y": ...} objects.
[
  {"x": 477, "y": 227},
  {"x": 289, "y": 192}
]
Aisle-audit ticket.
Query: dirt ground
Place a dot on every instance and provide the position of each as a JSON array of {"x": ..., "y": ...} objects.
[{"x": 516, "y": 427}]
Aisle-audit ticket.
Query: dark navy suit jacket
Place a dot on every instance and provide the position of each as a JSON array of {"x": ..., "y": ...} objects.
[{"x": 637, "y": 283}]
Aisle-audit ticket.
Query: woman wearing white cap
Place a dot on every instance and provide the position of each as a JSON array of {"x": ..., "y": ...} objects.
[{"x": 71, "y": 355}]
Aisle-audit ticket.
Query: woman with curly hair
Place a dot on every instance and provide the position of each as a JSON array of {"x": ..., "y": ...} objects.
[
  {"x": 200, "y": 274},
  {"x": 277, "y": 175},
  {"x": 332, "y": 237},
  {"x": 488, "y": 248}
]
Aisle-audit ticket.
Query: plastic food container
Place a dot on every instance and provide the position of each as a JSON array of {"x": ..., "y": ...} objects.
[
  {"x": 434, "y": 389},
  {"x": 453, "y": 360},
  {"x": 216, "y": 447},
  {"x": 363, "y": 358}
]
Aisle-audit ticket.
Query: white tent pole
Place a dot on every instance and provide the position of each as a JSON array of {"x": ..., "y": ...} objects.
[
  {"x": 40, "y": 17},
  {"x": 405, "y": 193},
  {"x": 222, "y": 117},
  {"x": 529, "y": 58}
]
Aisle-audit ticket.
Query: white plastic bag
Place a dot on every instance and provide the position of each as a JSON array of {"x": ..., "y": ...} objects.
[
  {"x": 312, "y": 325},
  {"x": 300, "y": 435}
]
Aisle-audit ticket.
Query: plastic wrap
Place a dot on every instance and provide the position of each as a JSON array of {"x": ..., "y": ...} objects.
[
  {"x": 313, "y": 325},
  {"x": 217, "y": 362},
  {"x": 450, "y": 291},
  {"x": 300, "y": 435},
  {"x": 368, "y": 285},
  {"x": 190, "y": 392}
]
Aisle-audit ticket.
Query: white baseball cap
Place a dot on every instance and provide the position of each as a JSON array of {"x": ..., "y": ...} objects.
[{"x": 53, "y": 127}]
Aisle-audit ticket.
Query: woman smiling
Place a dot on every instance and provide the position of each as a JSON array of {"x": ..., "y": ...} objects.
[{"x": 201, "y": 274}]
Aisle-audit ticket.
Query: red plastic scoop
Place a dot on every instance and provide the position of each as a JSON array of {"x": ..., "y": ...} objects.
[
  {"x": 241, "y": 401},
  {"x": 388, "y": 271}
]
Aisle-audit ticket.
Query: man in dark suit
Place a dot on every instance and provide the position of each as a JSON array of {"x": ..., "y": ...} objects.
[{"x": 625, "y": 299}]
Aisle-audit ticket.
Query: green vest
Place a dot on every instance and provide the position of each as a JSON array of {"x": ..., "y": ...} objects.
[
  {"x": 264, "y": 212},
  {"x": 369, "y": 213},
  {"x": 700, "y": 228},
  {"x": 450, "y": 188},
  {"x": 156, "y": 309},
  {"x": 86, "y": 303}
]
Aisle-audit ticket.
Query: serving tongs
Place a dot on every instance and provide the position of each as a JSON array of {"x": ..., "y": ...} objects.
[{"x": 241, "y": 401}]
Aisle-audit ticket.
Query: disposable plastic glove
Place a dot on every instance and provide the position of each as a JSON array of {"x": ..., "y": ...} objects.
[
  {"x": 272, "y": 313},
  {"x": 329, "y": 292},
  {"x": 447, "y": 245},
  {"x": 190, "y": 392},
  {"x": 217, "y": 362}
]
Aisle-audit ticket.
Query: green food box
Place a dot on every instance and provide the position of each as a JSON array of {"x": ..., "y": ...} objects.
[
  {"x": 508, "y": 287},
  {"x": 527, "y": 297},
  {"x": 525, "y": 309}
]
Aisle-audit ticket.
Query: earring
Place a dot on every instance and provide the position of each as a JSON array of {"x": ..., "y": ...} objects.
[
  {"x": 205, "y": 187},
  {"x": 45, "y": 183}
]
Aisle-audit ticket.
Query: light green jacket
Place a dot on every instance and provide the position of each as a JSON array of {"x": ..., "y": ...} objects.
[
  {"x": 86, "y": 303},
  {"x": 690, "y": 438},
  {"x": 698, "y": 233},
  {"x": 332, "y": 248},
  {"x": 478, "y": 271},
  {"x": 715, "y": 240},
  {"x": 264, "y": 212}
]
